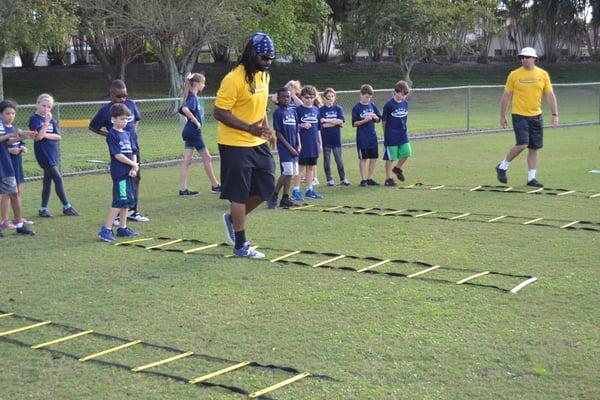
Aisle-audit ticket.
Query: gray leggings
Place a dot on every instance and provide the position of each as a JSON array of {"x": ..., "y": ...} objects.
[
  {"x": 337, "y": 154},
  {"x": 53, "y": 174}
]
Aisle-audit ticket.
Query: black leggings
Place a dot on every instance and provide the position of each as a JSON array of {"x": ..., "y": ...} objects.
[{"x": 53, "y": 174}]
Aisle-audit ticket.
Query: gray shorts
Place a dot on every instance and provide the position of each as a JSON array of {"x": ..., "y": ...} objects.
[{"x": 8, "y": 185}]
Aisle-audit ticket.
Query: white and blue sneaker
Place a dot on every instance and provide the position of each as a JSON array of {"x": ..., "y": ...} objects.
[
  {"x": 311, "y": 194},
  {"x": 296, "y": 195},
  {"x": 126, "y": 232},
  {"x": 248, "y": 251},
  {"x": 106, "y": 235},
  {"x": 229, "y": 231}
]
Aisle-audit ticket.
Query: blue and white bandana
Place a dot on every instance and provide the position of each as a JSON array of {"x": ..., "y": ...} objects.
[{"x": 263, "y": 44}]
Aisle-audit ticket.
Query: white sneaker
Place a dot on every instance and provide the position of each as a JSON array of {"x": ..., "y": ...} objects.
[
  {"x": 331, "y": 182},
  {"x": 248, "y": 251},
  {"x": 136, "y": 216}
]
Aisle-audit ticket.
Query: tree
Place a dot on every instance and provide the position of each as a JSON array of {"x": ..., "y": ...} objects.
[
  {"x": 489, "y": 25},
  {"x": 558, "y": 24},
  {"x": 522, "y": 28},
  {"x": 591, "y": 31}
]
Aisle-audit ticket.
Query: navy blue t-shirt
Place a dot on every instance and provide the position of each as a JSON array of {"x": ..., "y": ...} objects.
[
  {"x": 46, "y": 150},
  {"x": 102, "y": 119},
  {"x": 395, "y": 114},
  {"x": 16, "y": 159},
  {"x": 284, "y": 122},
  {"x": 120, "y": 143},
  {"x": 6, "y": 167},
  {"x": 309, "y": 137},
  {"x": 190, "y": 129},
  {"x": 366, "y": 137},
  {"x": 332, "y": 137}
]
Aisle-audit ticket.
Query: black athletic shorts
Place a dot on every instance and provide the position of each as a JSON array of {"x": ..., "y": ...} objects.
[
  {"x": 307, "y": 160},
  {"x": 246, "y": 172},
  {"x": 529, "y": 130},
  {"x": 365, "y": 154}
]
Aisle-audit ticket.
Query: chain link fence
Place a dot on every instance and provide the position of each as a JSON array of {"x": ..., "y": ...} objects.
[{"x": 433, "y": 112}]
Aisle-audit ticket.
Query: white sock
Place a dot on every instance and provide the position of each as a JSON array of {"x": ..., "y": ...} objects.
[
  {"x": 309, "y": 188},
  {"x": 504, "y": 164},
  {"x": 297, "y": 188},
  {"x": 531, "y": 174}
]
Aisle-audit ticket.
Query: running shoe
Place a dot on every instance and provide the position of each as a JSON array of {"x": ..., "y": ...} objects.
[
  {"x": 311, "y": 194},
  {"x": 501, "y": 174},
  {"x": 389, "y": 182},
  {"x": 70, "y": 212},
  {"x": 137, "y": 216},
  {"x": 188, "y": 193},
  {"x": 399, "y": 173},
  {"x": 297, "y": 196},
  {"x": 106, "y": 235},
  {"x": 248, "y": 251},
  {"x": 126, "y": 232}
]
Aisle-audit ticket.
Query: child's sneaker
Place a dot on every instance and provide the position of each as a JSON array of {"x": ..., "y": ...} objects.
[
  {"x": 188, "y": 193},
  {"x": 399, "y": 173},
  {"x": 331, "y": 182},
  {"x": 311, "y": 194},
  {"x": 364, "y": 183},
  {"x": 117, "y": 222},
  {"x": 106, "y": 235},
  {"x": 24, "y": 230},
  {"x": 45, "y": 213},
  {"x": 286, "y": 202},
  {"x": 126, "y": 232},
  {"x": 389, "y": 182},
  {"x": 346, "y": 182},
  {"x": 215, "y": 189},
  {"x": 25, "y": 221},
  {"x": 230, "y": 232},
  {"x": 272, "y": 202},
  {"x": 297, "y": 196},
  {"x": 136, "y": 216},
  {"x": 7, "y": 225},
  {"x": 70, "y": 212},
  {"x": 371, "y": 182},
  {"x": 248, "y": 251}
]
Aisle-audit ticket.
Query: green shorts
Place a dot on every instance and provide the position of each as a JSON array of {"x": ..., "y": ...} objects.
[{"x": 393, "y": 153}]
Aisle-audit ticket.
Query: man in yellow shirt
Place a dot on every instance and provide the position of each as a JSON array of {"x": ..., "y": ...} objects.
[
  {"x": 525, "y": 86},
  {"x": 247, "y": 166}
]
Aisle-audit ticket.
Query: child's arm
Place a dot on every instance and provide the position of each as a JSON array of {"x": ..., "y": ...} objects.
[
  {"x": 299, "y": 148},
  {"x": 281, "y": 139},
  {"x": 360, "y": 122},
  {"x": 15, "y": 151},
  {"x": 188, "y": 114},
  {"x": 319, "y": 141}
]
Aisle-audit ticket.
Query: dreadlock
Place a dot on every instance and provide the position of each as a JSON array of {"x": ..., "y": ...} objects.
[{"x": 247, "y": 61}]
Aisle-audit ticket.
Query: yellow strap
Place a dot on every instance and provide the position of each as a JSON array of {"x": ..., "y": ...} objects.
[
  {"x": 157, "y": 246},
  {"x": 60, "y": 340},
  {"x": 219, "y": 372},
  {"x": 133, "y": 241},
  {"x": 161, "y": 362},
  {"x": 426, "y": 270},
  {"x": 7, "y": 314},
  {"x": 460, "y": 216},
  {"x": 532, "y": 221},
  {"x": 279, "y": 385},
  {"x": 286, "y": 256},
  {"x": 328, "y": 261},
  {"x": 424, "y": 214},
  {"x": 569, "y": 224},
  {"x": 374, "y": 265},
  {"x": 111, "y": 350},
  {"x": 210, "y": 246},
  {"x": 497, "y": 218},
  {"x": 522, "y": 285},
  {"x": 25, "y": 328},
  {"x": 468, "y": 278}
]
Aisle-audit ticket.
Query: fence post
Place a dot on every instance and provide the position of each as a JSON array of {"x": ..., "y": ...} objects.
[{"x": 468, "y": 108}]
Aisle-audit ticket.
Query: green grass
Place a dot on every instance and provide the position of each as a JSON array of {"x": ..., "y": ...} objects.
[{"x": 377, "y": 337}]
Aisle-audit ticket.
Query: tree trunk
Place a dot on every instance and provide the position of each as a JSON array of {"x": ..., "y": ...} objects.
[{"x": 1, "y": 79}]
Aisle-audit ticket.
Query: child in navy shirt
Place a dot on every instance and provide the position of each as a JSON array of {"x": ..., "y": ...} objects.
[
  {"x": 288, "y": 147},
  {"x": 310, "y": 142},
  {"x": 331, "y": 117},
  {"x": 118, "y": 94},
  {"x": 123, "y": 168},
  {"x": 395, "y": 143},
  {"x": 8, "y": 181},
  {"x": 364, "y": 116},
  {"x": 45, "y": 147}
]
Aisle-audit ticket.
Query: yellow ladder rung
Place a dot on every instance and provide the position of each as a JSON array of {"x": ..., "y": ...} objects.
[
  {"x": 498, "y": 218},
  {"x": 408, "y": 186},
  {"x": 219, "y": 372},
  {"x": 7, "y": 314},
  {"x": 475, "y": 188},
  {"x": 158, "y": 246},
  {"x": 423, "y": 271},
  {"x": 532, "y": 221},
  {"x": 522, "y": 285},
  {"x": 462, "y": 215},
  {"x": 536, "y": 190},
  {"x": 25, "y": 328},
  {"x": 425, "y": 213},
  {"x": 302, "y": 207},
  {"x": 133, "y": 241},
  {"x": 565, "y": 193},
  {"x": 595, "y": 195},
  {"x": 161, "y": 362},
  {"x": 286, "y": 256},
  {"x": 328, "y": 261},
  {"x": 508, "y": 189},
  {"x": 468, "y": 278},
  {"x": 111, "y": 350},
  {"x": 210, "y": 246},
  {"x": 569, "y": 224},
  {"x": 374, "y": 265},
  {"x": 362, "y": 210},
  {"x": 60, "y": 340},
  {"x": 332, "y": 208},
  {"x": 437, "y": 187},
  {"x": 392, "y": 212},
  {"x": 278, "y": 385}
]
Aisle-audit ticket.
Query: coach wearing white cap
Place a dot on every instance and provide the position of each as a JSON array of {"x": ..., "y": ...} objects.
[{"x": 525, "y": 86}]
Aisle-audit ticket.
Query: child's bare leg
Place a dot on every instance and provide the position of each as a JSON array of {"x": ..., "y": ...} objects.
[
  {"x": 401, "y": 162},
  {"x": 208, "y": 167},
  {"x": 112, "y": 214},
  {"x": 5, "y": 204},
  {"x": 310, "y": 174},
  {"x": 286, "y": 184},
  {"x": 388, "y": 169},
  {"x": 16, "y": 206},
  {"x": 185, "y": 168},
  {"x": 372, "y": 164},
  {"x": 122, "y": 217},
  {"x": 362, "y": 167}
]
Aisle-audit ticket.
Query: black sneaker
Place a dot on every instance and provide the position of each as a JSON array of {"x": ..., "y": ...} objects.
[
  {"x": 363, "y": 183},
  {"x": 535, "y": 183},
  {"x": 24, "y": 230},
  {"x": 272, "y": 202},
  {"x": 501, "y": 174},
  {"x": 188, "y": 193},
  {"x": 389, "y": 182},
  {"x": 70, "y": 212},
  {"x": 286, "y": 202},
  {"x": 215, "y": 189},
  {"x": 45, "y": 214},
  {"x": 399, "y": 173},
  {"x": 371, "y": 182}
]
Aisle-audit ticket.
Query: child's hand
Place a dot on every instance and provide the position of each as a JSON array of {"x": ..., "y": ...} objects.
[
  {"x": 48, "y": 117},
  {"x": 306, "y": 125},
  {"x": 132, "y": 173},
  {"x": 23, "y": 149},
  {"x": 294, "y": 152}
]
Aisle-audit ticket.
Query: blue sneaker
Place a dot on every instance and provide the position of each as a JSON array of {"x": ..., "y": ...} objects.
[
  {"x": 311, "y": 194},
  {"x": 296, "y": 195},
  {"x": 248, "y": 251},
  {"x": 106, "y": 235},
  {"x": 126, "y": 232},
  {"x": 228, "y": 222}
]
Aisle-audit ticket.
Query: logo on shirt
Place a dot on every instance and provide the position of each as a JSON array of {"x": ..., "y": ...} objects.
[
  {"x": 289, "y": 120},
  {"x": 366, "y": 112},
  {"x": 529, "y": 81},
  {"x": 125, "y": 146},
  {"x": 399, "y": 113},
  {"x": 331, "y": 114},
  {"x": 310, "y": 117}
]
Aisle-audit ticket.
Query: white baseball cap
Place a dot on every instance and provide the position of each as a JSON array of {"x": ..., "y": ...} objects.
[{"x": 528, "y": 52}]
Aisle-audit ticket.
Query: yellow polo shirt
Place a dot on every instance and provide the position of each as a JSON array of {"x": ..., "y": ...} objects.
[
  {"x": 234, "y": 95},
  {"x": 527, "y": 87}
]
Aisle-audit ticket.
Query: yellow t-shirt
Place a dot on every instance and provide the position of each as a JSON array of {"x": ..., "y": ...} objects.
[
  {"x": 527, "y": 87},
  {"x": 234, "y": 95}
]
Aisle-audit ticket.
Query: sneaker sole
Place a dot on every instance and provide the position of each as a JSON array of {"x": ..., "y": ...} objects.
[{"x": 105, "y": 240}]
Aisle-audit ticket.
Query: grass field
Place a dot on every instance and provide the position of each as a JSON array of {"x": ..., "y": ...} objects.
[{"x": 365, "y": 336}]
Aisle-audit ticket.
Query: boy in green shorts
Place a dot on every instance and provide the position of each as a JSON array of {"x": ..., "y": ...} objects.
[{"x": 395, "y": 139}]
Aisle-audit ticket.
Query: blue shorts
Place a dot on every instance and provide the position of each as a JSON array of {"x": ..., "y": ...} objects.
[
  {"x": 529, "y": 130},
  {"x": 123, "y": 193},
  {"x": 194, "y": 142}
]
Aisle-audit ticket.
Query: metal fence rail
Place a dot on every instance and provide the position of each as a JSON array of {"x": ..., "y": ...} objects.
[{"x": 434, "y": 112}]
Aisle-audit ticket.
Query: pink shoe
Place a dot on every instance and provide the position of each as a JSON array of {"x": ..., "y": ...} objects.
[
  {"x": 6, "y": 225},
  {"x": 25, "y": 221}
]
